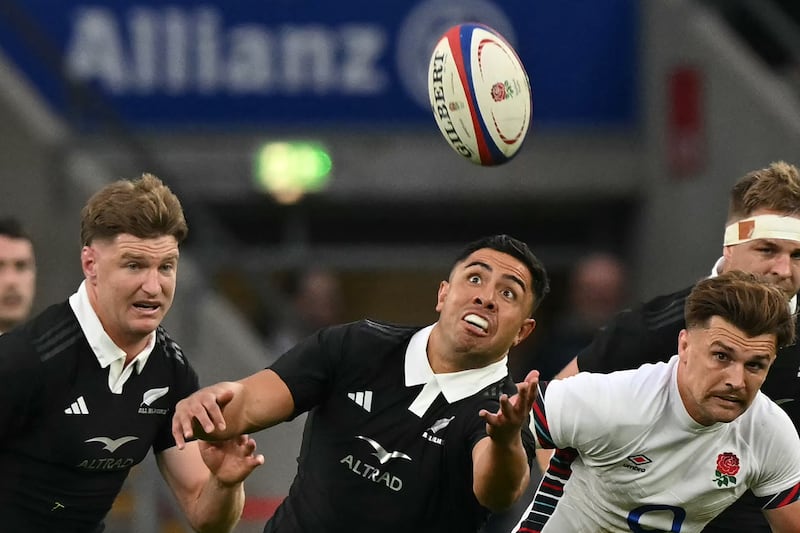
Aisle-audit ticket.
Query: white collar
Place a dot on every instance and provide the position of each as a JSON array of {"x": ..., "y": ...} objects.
[
  {"x": 715, "y": 272},
  {"x": 454, "y": 386},
  {"x": 107, "y": 352}
]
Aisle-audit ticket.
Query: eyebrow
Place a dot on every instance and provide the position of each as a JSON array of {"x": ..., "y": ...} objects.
[
  {"x": 138, "y": 256},
  {"x": 723, "y": 346},
  {"x": 510, "y": 277}
]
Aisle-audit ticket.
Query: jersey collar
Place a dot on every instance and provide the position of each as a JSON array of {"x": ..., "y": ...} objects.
[
  {"x": 454, "y": 386},
  {"x": 108, "y": 354}
]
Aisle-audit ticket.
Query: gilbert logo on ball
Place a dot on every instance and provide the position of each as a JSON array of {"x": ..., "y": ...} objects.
[{"x": 480, "y": 94}]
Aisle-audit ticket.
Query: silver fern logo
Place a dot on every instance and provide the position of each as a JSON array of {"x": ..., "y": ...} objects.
[
  {"x": 440, "y": 424},
  {"x": 149, "y": 397}
]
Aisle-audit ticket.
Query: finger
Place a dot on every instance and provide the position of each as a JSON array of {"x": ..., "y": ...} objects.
[
  {"x": 178, "y": 432},
  {"x": 532, "y": 377},
  {"x": 202, "y": 419}
]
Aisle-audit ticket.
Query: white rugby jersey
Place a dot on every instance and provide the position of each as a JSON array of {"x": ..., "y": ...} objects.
[{"x": 644, "y": 464}]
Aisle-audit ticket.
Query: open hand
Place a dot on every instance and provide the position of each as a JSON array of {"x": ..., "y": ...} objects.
[
  {"x": 232, "y": 460},
  {"x": 507, "y": 422}
]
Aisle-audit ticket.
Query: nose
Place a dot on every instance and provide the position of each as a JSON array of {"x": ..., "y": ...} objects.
[
  {"x": 485, "y": 298},
  {"x": 8, "y": 276},
  {"x": 151, "y": 283},
  {"x": 734, "y": 377},
  {"x": 782, "y": 266}
]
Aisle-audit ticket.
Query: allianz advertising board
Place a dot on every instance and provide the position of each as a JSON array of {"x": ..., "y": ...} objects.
[{"x": 235, "y": 63}]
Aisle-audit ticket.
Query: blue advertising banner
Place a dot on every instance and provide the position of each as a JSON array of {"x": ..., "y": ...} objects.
[{"x": 235, "y": 63}]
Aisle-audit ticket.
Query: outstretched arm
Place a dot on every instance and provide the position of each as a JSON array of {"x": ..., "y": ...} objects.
[
  {"x": 229, "y": 409},
  {"x": 207, "y": 480},
  {"x": 500, "y": 464}
]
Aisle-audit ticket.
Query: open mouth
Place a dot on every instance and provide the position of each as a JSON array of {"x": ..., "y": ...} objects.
[{"x": 477, "y": 321}]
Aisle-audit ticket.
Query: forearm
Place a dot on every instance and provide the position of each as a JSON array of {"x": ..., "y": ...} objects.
[
  {"x": 543, "y": 456},
  {"x": 217, "y": 508},
  {"x": 501, "y": 473}
]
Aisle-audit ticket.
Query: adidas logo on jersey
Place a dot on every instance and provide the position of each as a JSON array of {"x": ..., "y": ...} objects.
[
  {"x": 78, "y": 407},
  {"x": 362, "y": 398}
]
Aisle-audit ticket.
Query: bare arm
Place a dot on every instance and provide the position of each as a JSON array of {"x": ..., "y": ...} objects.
[
  {"x": 500, "y": 464},
  {"x": 229, "y": 409},
  {"x": 543, "y": 455},
  {"x": 784, "y": 519},
  {"x": 207, "y": 480}
]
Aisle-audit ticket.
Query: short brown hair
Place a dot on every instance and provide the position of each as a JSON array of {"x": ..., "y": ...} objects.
[
  {"x": 776, "y": 187},
  {"x": 143, "y": 207},
  {"x": 748, "y": 301}
]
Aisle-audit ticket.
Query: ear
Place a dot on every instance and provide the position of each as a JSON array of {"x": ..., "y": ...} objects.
[
  {"x": 442, "y": 295},
  {"x": 526, "y": 329},
  {"x": 683, "y": 345},
  {"x": 89, "y": 263}
]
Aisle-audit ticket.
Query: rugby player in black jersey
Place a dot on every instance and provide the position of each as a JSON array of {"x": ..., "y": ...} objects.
[
  {"x": 90, "y": 384},
  {"x": 410, "y": 428}
]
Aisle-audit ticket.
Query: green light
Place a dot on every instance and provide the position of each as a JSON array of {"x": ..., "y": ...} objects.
[{"x": 291, "y": 169}]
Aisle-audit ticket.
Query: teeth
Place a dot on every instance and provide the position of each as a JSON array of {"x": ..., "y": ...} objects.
[{"x": 475, "y": 320}]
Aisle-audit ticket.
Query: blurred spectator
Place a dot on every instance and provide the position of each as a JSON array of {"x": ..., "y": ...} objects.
[
  {"x": 597, "y": 289},
  {"x": 316, "y": 301},
  {"x": 17, "y": 274}
]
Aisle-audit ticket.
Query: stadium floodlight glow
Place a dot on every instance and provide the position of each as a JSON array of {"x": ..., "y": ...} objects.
[{"x": 288, "y": 170}]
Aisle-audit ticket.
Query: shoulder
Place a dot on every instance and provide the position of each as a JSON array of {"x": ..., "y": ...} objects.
[
  {"x": 638, "y": 387},
  {"x": 172, "y": 350},
  {"x": 49, "y": 333},
  {"x": 765, "y": 415},
  {"x": 371, "y": 333},
  {"x": 665, "y": 311}
]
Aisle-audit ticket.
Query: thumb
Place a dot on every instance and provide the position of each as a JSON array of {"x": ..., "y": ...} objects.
[{"x": 224, "y": 397}]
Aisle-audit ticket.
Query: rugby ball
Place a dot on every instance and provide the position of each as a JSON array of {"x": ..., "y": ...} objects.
[{"x": 480, "y": 94}]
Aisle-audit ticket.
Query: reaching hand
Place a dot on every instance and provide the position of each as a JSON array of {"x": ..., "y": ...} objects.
[
  {"x": 232, "y": 460},
  {"x": 200, "y": 414},
  {"x": 506, "y": 423}
]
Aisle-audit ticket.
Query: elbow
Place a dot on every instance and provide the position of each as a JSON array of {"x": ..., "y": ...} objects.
[
  {"x": 497, "y": 503},
  {"x": 499, "y": 500}
]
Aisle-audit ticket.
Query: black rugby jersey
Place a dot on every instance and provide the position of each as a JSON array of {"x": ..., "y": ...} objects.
[
  {"x": 649, "y": 333},
  {"x": 66, "y": 441},
  {"x": 367, "y": 463}
]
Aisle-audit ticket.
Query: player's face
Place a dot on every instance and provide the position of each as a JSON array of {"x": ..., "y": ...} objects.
[
  {"x": 17, "y": 281},
  {"x": 778, "y": 259},
  {"x": 131, "y": 283},
  {"x": 484, "y": 308},
  {"x": 721, "y": 370}
]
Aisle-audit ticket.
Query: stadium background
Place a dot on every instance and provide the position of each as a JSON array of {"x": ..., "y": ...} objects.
[{"x": 645, "y": 113}]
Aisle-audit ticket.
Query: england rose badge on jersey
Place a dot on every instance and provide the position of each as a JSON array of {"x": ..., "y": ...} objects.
[{"x": 727, "y": 468}]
